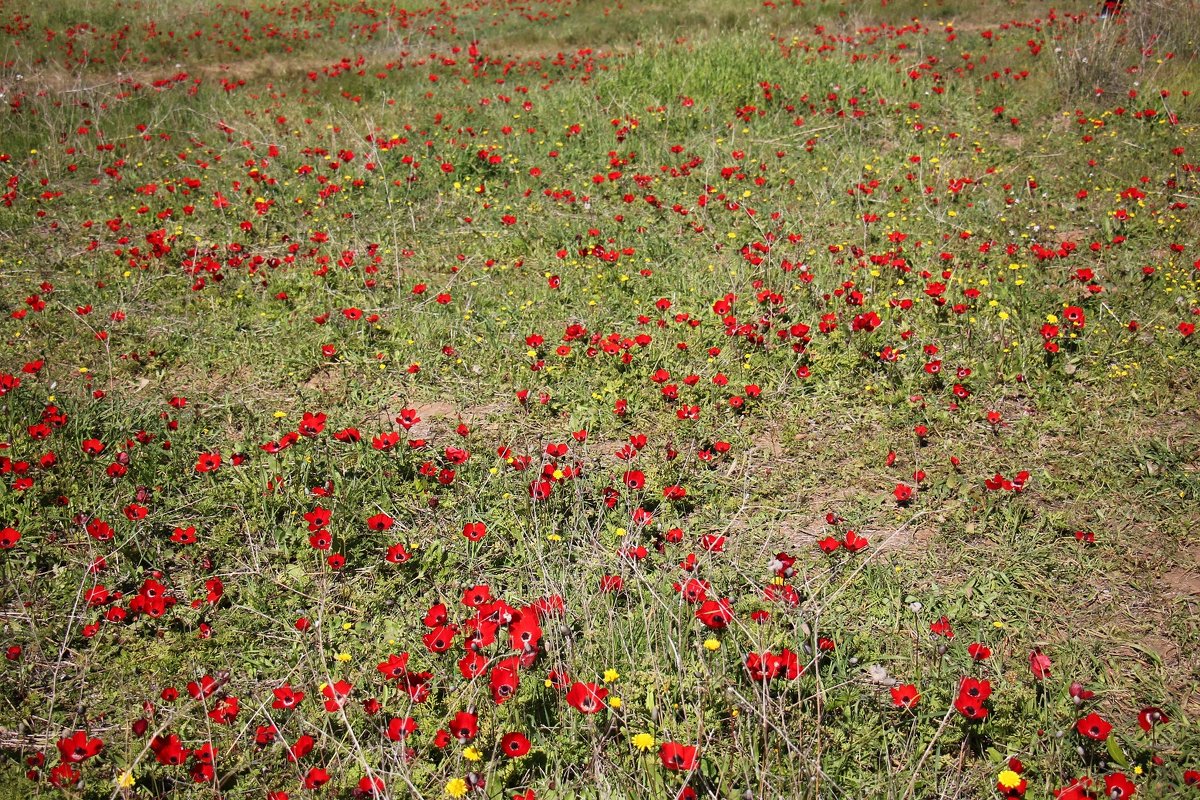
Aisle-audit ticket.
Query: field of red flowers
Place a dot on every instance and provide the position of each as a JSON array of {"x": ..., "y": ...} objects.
[{"x": 599, "y": 398}]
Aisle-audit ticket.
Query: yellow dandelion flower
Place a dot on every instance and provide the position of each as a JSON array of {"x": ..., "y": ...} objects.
[
  {"x": 456, "y": 787},
  {"x": 1009, "y": 779},
  {"x": 712, "y": 645},
  {"x": 643, "y": 742},
  {"x": 472, "y": 754},
  {"x": 611, "y": 675}
]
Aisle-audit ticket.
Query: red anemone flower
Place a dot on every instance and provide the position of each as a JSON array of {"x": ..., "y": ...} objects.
[
  {"x": 678, "y": 757},
  {"x": 587, "y": 698},
  {"x": 184, "y": 536},
  {"x": 975, "y": 688},
  {"x": 400, "y": 727},
  {"x": 1094, "y": 726},
  {"x": 905, "y": 696},
  {"x": 169, "y": 750},
  {"x": 208, "y": 462},
  {"x": 504, "y": 680},
  {"x": 379, "y": 522},
  {"x": 464, "y": 726},
  {"x": 1118, "y": 787},
  {"x": 1078, "y": 789},
  {"x": 514, "y": 745},
  {"x": 1039, "y": 664},
  {"x": 979, "y": 651},
  {"x": 9, "y": 538},
  {"x": 336, "y": 695},
  {"x": 286, "y": 697},
  {"x": 715, "y": 614},
  {"x": 395, "y": 667},
  {"x": 78, "y": 747},
  {"x": 970, "y": 708},
  {"x": 1151, "y": 716},
  {"x": 472, "y": 665},
  {"x": 853, "y": 542},
  {"x": 942, "y": 628},
  {"x": 316, "y": 778},
  {"x": 440, "y": 638}
]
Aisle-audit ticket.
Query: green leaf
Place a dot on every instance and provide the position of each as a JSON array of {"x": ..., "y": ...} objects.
[
  {"x": 296, "y": 573},
  {"x": 1115, "y": 752}
]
